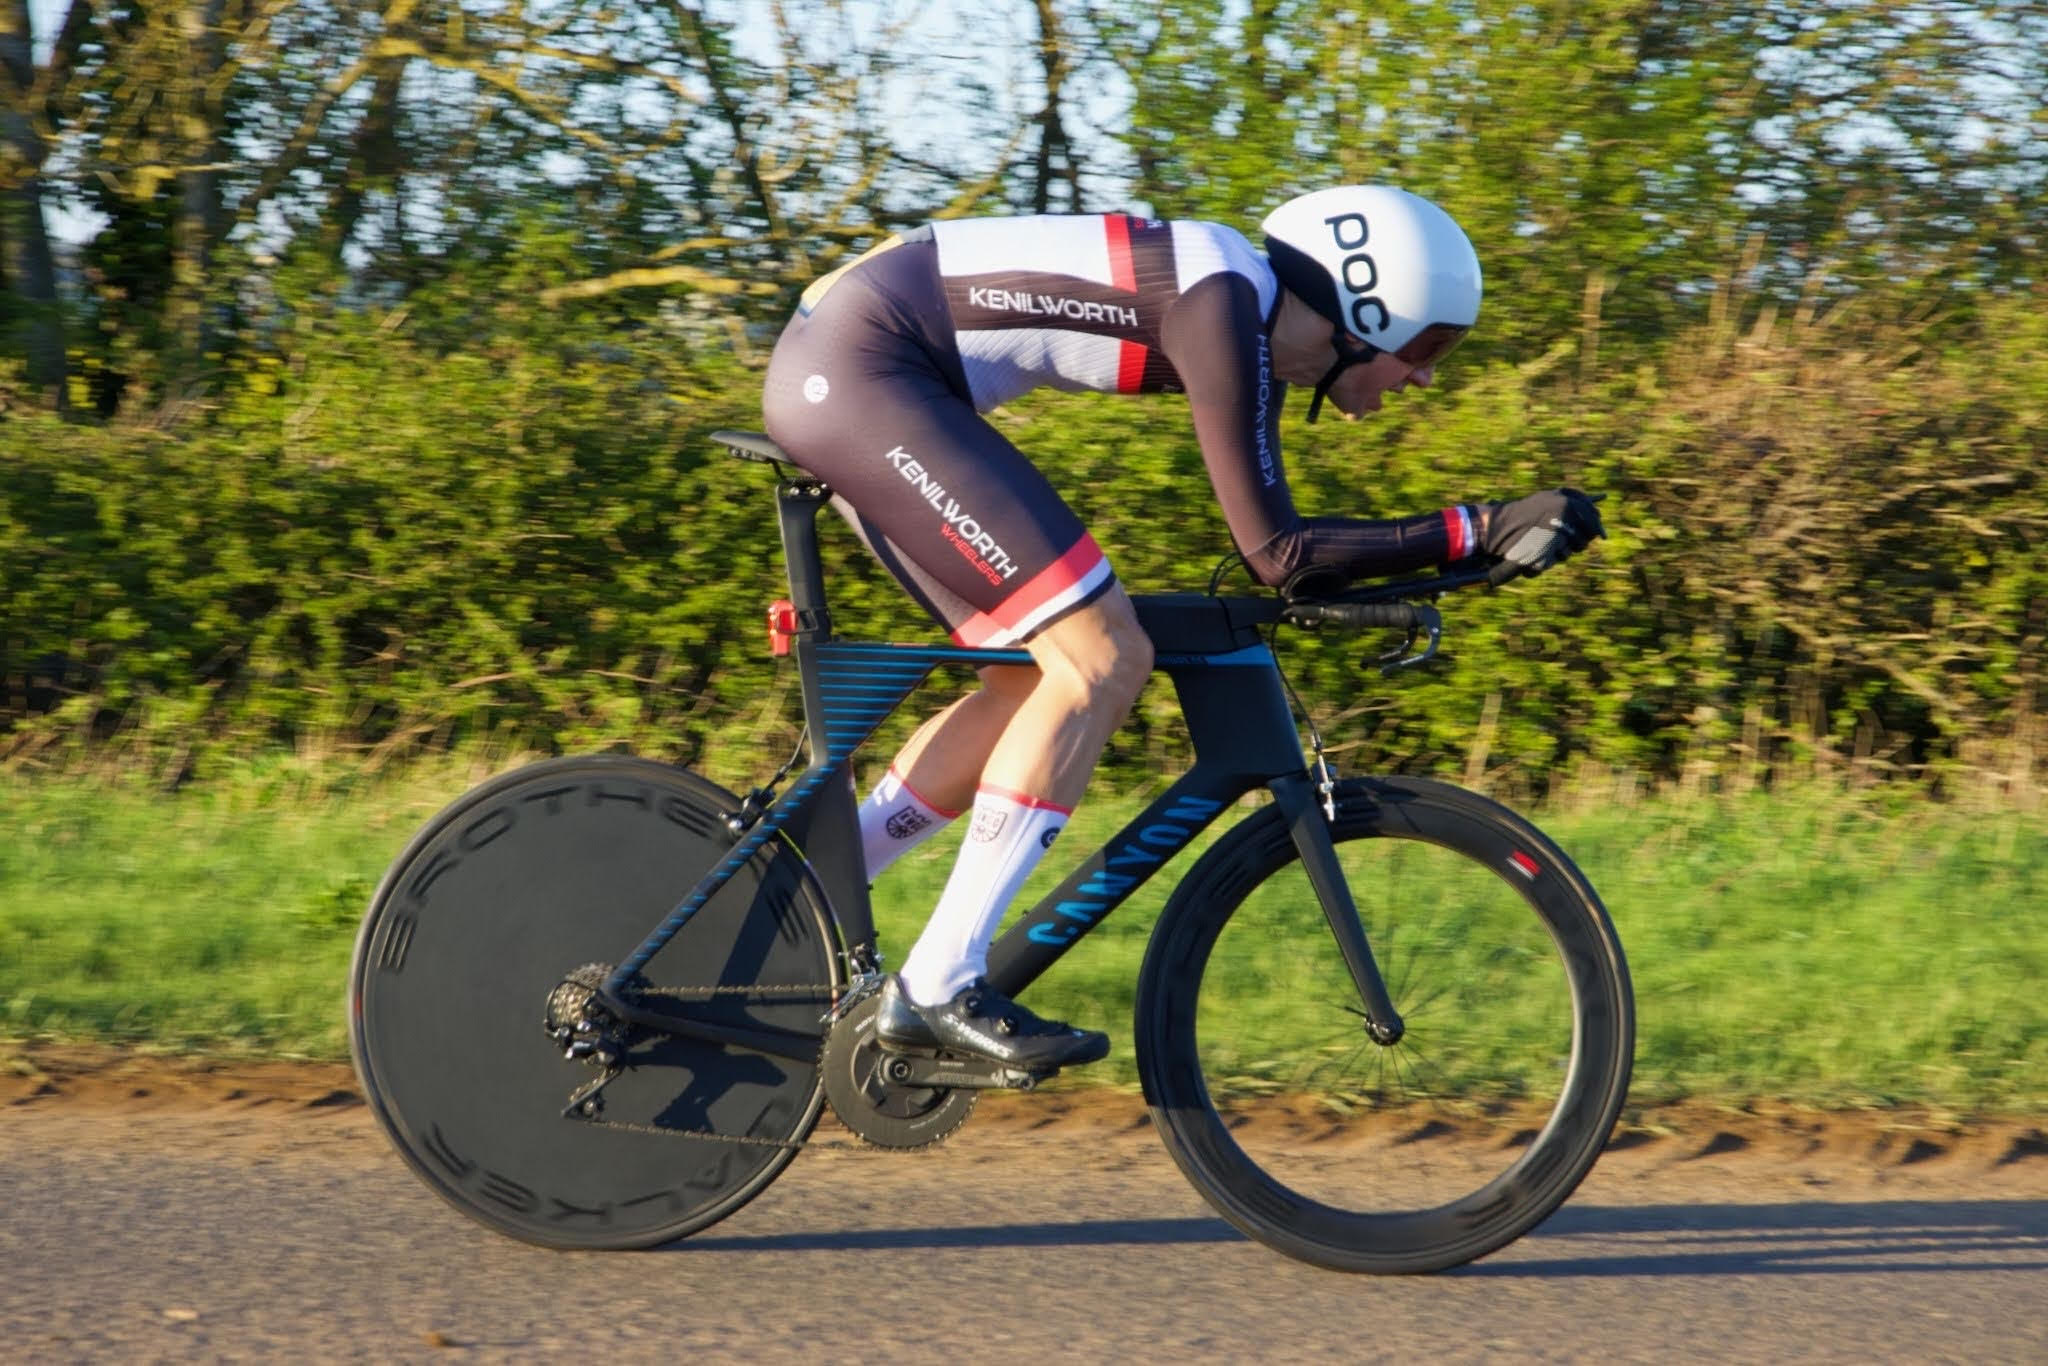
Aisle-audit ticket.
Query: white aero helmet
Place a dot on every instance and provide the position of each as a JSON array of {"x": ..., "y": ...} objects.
[{"x": 1388, "y": 268}]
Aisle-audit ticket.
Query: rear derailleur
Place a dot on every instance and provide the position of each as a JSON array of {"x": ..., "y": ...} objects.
[{"x": 587, "y": 1031}]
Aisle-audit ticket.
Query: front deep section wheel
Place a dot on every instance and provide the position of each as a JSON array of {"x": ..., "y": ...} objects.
[
  {"x": 473, "y": 976},
  {"x": 1311, "y": 1136}
]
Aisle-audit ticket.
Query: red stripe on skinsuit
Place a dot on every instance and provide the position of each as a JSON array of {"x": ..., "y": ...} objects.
[
  {"x": 977, "y": 631},
  {"x": 1068, "y": 570},
  {"x": 1121, "y": 274},
  {"x": 1130, "y": 367}
]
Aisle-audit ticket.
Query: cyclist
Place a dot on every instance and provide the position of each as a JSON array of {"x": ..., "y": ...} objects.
[{"x": 877, "y": 387}]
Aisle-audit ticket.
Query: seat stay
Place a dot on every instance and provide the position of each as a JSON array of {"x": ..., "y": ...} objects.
[{"x": 849, "y": 689}]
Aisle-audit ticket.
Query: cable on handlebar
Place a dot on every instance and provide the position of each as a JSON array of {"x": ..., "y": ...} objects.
[
  {"x": 1435, "y": 586},
  {"x": 1416, "y": 619},
  {"x": 1359, "y": 616},
  {"x": 1224, "y": 566}
]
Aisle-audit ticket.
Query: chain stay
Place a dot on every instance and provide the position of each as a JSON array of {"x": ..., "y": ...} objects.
[{"x": 586, "y": 1095}]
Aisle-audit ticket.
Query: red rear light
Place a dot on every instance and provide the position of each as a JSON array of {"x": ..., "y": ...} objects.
[{"x": 781, "y": 625}]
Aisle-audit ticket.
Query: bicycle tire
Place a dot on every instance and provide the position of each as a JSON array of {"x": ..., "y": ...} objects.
[
  {"x": 1267, "y": 1105},
  {"x": 556, "y": 865}
]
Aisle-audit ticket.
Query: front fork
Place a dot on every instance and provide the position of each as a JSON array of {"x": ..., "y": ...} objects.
[{"x": 1309, "y": 827}]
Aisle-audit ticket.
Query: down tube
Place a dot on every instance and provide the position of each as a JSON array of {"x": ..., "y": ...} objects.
[{"x": 1111, "y": 874}]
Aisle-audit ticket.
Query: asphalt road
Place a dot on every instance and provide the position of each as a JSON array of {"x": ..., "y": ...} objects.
[{"x": 288, "y": 1229}]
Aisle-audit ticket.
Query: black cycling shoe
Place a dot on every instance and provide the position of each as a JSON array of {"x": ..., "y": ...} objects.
[{"x": 984, "y": 1023}]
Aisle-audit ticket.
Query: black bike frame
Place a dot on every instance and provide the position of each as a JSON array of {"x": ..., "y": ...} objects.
[{"x": 1238, "y": 719}]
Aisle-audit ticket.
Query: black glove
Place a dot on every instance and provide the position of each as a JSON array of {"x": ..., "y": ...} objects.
[{"x": 1535, "y": 532}]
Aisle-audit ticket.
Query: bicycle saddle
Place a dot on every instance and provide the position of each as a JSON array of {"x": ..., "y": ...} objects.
[{"x": 752, "y": 446}]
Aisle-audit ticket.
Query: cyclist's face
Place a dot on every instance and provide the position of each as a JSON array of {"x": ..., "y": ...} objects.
[
  {"x": 1360, "y": 388},
  {"x": 1303, "y": 350}
]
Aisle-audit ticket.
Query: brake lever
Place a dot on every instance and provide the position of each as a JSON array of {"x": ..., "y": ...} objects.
[{"x": 1399, "y": 658}]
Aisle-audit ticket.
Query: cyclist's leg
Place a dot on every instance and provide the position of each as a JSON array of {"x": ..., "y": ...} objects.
[
  {"x": 979, "y": 536},
  {"x": 933, "y": 777},
  {"x": 1092, "y": 664},
  {"x": 1021, "y": 751},
  {"x": 943, "y": 760}
]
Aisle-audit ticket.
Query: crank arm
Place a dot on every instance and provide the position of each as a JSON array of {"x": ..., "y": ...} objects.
[{"x": 954, "y": 1074}]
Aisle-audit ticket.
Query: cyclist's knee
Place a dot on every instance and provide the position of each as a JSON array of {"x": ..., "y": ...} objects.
[
  {"x": 1011, "y": 683},
  {"x": 1099, "y": 655}
]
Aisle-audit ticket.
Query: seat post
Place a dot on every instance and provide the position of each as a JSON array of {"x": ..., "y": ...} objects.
[{"x": 797, "y": 501}]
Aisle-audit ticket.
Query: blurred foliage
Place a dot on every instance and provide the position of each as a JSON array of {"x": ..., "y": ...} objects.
[
  {"x": 388, "y": 359},
  {"x": 461, "y": 519}
]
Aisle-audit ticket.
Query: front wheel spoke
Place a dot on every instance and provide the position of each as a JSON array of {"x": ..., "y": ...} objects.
[
  {"x": 1421, "y": 1007},
  {"x": 1344, "y": 1067},
  {"x": 1421, "y": 1063},
  {"x": 1379, "y": 1076},
  {"x": 1428, "y": 1082},
  {"x": 1397, "y": 965},
  {"x": 1404, "y": 1070}
]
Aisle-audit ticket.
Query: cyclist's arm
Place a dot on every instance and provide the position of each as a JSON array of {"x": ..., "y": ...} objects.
[{"x": 1214, "y": 337}]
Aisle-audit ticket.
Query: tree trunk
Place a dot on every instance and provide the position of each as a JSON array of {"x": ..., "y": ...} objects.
[
  {"x": 27, "y": 268},
  {"x": 198, "y": 137},
  {"x": 374, "y": 159},
  {"x": 1052, "y": 134}
]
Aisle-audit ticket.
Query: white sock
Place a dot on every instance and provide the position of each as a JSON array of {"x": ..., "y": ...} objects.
[
  {"x": 894, "y": 820},
  {"x": 1010, "y": 832}
]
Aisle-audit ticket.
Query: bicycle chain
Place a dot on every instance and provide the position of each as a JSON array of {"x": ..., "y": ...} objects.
[
  {"x": 747, "y": 1140},
  {"x": 706, "y": 994}
]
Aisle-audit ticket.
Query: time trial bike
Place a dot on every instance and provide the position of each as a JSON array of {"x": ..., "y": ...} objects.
[{"x": 1383, "y": 1024}]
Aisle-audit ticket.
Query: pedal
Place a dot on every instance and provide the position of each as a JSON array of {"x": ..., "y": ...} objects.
[{"x": 955, "y": 1073}]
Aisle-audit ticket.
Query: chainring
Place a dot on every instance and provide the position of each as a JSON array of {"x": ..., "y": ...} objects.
[{"x": 885, "y": 1115}]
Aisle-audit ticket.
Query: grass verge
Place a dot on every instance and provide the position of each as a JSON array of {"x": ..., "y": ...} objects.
[{"x": 1812, "y": 945}]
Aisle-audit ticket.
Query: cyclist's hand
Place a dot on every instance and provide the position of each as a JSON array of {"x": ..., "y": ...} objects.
[{"x": 1536, "y": 532}]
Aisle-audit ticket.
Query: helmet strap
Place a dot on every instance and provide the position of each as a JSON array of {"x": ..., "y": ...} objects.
[{"x": 1348, "y": 355}]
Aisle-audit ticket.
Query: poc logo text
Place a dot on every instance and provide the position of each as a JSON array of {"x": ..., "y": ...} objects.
[{"x": 1349, "y": 232}]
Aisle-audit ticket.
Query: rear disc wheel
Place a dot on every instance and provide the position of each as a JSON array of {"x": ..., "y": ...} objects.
[{"x": 517, "y": 885}]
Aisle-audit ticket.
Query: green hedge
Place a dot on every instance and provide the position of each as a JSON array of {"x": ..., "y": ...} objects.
[{"x": 480, "y": 520}]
